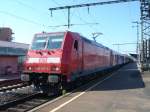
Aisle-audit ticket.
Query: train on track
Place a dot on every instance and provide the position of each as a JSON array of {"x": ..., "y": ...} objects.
[{"x": 57, "y": 60}]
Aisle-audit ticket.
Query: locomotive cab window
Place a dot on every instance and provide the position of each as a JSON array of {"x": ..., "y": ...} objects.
[
  {"x": 49, "y": 41},
  {"x": 39, "y": 43},
  {"x": 55, "y": 42},
  {"x": 76, "y": 45}
]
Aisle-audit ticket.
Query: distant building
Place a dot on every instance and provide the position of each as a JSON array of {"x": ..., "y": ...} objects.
[
  {"x": 6, "y": 34},
  {"x": 12, "y": 55}
]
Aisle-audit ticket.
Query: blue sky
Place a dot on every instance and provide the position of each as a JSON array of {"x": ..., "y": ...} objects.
[{"x": 27, "y": 17}]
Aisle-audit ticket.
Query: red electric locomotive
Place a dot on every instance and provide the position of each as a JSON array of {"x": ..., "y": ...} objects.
[{"x": 54, "y": 60}]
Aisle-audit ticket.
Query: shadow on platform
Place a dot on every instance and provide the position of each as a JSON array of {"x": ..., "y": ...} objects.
[{"x": 128, "y": 77}]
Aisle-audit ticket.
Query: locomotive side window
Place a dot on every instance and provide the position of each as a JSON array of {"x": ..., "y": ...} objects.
[{"x": 76, "y": 45}]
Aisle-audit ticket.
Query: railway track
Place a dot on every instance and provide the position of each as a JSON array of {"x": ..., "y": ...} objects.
[
  {"x": 9, "y": 82},
  {"x": 20, "y": 98},
  {"x": 27, "y": 102},
  {"x": 24, "y": 104},
  {"x": 12, "y": 87}
]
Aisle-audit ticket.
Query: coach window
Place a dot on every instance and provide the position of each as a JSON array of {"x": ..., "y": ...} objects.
[{"x": 76, "y": 44}]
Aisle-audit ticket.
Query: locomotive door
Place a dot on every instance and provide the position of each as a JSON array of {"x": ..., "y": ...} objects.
[{"x": 77, "y": 63}]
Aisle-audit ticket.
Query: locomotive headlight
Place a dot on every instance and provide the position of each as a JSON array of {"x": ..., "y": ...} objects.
[
  {"x": 29, "y": 68},
  {"x": 55, "y": 68}
]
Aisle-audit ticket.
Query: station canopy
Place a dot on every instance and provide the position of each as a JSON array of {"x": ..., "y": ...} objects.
[{"x": 13, "y": 48}]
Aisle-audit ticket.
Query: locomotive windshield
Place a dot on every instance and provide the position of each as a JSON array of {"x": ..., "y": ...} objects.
[
  {"x": 54, "y": 42},
  {"x": 39, "y": 43},
  {"x": 47, "y": 42}
]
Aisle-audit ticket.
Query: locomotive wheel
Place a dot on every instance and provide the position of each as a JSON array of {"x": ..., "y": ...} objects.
[
  {"x": 63, "y": 89},
  {"x": 64, "y": 85},
  {"x": 36, "y": 87}
]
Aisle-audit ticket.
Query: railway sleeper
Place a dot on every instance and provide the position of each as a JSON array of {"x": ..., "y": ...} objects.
[
  {"x": 32, "y": 103},
  {"x": 23, "y": 106},
  {"x": 15, "y": 110},
  {"x": 39, "y": 100}
]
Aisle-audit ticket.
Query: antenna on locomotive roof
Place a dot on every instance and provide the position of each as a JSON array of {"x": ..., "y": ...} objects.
[{"x": 95, "y": 35}]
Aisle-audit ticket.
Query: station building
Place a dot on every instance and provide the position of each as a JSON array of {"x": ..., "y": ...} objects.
[{"x": 12, "y": 54}]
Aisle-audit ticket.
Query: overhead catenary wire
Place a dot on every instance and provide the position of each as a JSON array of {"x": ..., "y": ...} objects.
[
  {"x": 125, "y": 43},
  {"x": 91, "y": 4},
  {"x": 77, "y": 24},
  {"x": 32, "y": 8},
  {"x": 58, "y": 4},
  {"x": 68, "y": 7},
  {"x": 93, "y": 29},
  {"x": 71, "y": 15},
  {"x": 22, "y": 18},
  {"x": 39, "y": 24},
  {"x": 37, "y": 11}
]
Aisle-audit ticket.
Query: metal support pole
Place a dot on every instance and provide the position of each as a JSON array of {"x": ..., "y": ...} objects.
[
  {"x": 145, "y": 32},
  {"x": 137, "y": 38},
  {"x": 137, "y": 33},
  {"x": 142, "y": 42},
  {"x": 149, "y": 48}
]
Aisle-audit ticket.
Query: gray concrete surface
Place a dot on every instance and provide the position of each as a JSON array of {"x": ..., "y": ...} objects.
[{"x": 126, "y": 91}]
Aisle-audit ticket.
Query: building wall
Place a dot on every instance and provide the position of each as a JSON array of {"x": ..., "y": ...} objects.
[
  {"x": 5, "y": 34},
  {"x": 6, "y": 61}
]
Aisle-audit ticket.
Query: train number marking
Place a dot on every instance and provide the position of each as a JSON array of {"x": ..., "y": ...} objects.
[{"x": 42, "y": 60}]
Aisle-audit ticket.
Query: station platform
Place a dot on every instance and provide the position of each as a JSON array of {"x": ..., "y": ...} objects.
[{"x": 125, "y": 90}]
